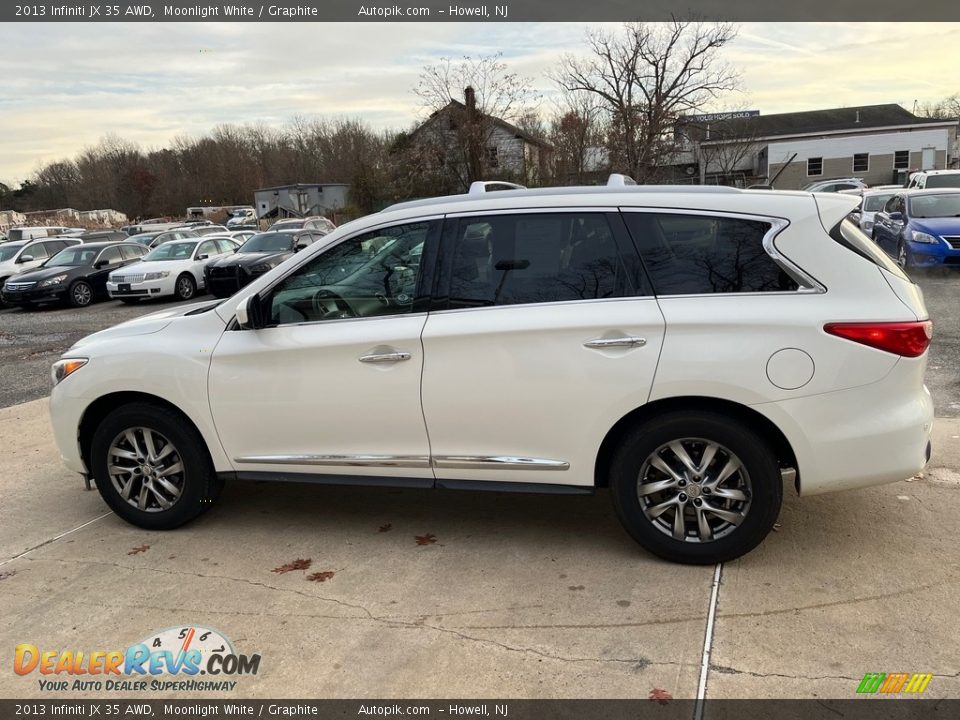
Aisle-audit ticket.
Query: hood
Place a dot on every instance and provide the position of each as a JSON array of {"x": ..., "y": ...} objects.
[
  {"x": 145, "y": 325},
  {"x": 152, "y": 266},
  {"x": 250, "y": 259},
  {"x": 48, "y": 272},
  {"x": 937, "y": 226}
]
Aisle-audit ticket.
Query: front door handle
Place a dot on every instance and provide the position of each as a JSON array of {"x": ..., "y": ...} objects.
[
  {"x": 608, "y": 342},
  {"x": 385, "y": 357}
]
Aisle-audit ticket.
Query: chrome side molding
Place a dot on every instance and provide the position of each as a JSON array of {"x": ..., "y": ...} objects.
[
  {"x": 409, "y": 461},
  {"x": 496, "y": 462}
]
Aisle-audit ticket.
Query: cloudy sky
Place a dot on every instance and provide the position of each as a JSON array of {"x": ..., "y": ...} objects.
[{"x": 63, "y": 86}]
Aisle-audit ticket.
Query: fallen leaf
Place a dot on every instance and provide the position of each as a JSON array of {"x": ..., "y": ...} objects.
[
  {"x": 138, "y": 550},
  {"x": 298, "y": 564},
  {"x": 776, "y": 527},
  {"x": 428, "y": 539},
  {"x": 320, "y": 576},
  {"x": 660, "y": 695},
  {"x": 386, "y": 528},
  {"x": 7, "y": 573}
]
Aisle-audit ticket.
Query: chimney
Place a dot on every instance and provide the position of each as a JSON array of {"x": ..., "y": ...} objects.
[{"x": 471, "y": 99}]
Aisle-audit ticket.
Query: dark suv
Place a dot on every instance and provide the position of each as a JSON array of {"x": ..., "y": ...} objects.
[{"x": 258, "y": 255}]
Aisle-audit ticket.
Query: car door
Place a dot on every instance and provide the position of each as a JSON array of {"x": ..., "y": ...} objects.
[
  {"x": 33, "y": 256},
  {"x": 207, "y": 251},
  {"x": 544, "y": 335},
  {"x": 109, "y": 260},
  {"x": 331, "y": 385}
]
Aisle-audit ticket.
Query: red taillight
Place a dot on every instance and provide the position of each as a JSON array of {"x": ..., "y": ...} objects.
[{"x": 909, "y": 339}]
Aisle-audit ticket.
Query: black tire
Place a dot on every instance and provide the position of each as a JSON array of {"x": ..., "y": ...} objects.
[
  {"x": 186, "y": 287},
  {"x": 199, "y": 486},
  {"x": 763, "y": 487},
  {"x": 80, "y": 294},
  {"x": 129, "y": 300},
  {"x": 903, "y": 256}
]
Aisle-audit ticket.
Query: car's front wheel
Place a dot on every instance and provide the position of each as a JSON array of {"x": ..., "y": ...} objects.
[
  {"x": 80, "y": 294},
  {"x": 186, "y": 287},
  {"x": 696, "y": 487},
  {"x": 151, "y": 467}
]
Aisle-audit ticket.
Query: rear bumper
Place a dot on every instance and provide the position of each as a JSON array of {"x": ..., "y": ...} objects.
[{"x": 869, "y": 435}]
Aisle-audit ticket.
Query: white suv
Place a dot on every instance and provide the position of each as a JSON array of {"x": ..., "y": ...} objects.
[{"x": 691, "y": 349}]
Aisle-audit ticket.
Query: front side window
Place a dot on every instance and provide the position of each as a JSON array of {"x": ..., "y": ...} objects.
[
  {"x": 875, "y": 203},
  {"x": 702, "y": 254},
  {"x": 37, "y": 251},
  {"x": 536, "y": 258},
  {"x": 368, "y": 275},
  {"x": 814, "y": 166},
  {"x": 861, "y": 162},
  {"x": 208, "y": 248}
]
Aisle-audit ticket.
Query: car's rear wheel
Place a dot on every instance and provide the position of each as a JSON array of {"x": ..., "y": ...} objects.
[
  {"x": 696, "y": 487},
  {"x": 186, "y": 287},
  {"x": 80, "y": 294},
  {"x": 151, "y": 467}
]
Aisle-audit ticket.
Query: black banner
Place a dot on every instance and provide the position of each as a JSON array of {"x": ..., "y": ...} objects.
[
  {"x": 657, "y": 709},
  {"x": 476, "y": 11}
]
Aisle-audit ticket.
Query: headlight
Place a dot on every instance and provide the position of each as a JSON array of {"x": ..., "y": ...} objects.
[
  {"x": 156, "y": 275},
  {"x": 53, "y": 281},
  {"x": 922, "y": 237},
  {"x": 63, "y": 368},
  {"x": 262, "y": 267},
  {"x": 868, "y": 225}
]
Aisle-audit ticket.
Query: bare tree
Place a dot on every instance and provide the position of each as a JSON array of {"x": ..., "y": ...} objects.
[
  {"x": 647, "y": 76},
  {"x": 577, "y": 135},
  {"x": 454, "y": 138},
  {"x": 948, "y": 108}
]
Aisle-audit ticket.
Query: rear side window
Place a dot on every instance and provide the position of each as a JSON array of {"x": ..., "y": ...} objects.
[
  {"x": 535, "y": 258},
  {"x": 850, "y": 235},
  {"x": 704, "y": 254}
]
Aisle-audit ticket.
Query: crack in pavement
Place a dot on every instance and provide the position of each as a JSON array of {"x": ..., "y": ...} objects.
[
  {"x": 727, "y": 670},
  {"x": 637, "y": 663}
]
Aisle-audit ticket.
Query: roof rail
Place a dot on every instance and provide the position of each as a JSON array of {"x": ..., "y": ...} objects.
[
  {"x": 480, "y": 186},
  {"x": 618, "y": 180}
]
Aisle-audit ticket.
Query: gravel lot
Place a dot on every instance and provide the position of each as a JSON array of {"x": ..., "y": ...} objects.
[{"x": 30, "y": 340}]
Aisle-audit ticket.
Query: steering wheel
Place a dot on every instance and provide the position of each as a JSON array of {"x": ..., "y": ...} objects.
[{"x": 343, "y": 307}]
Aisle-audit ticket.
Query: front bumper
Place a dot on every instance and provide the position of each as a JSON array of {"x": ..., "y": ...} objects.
[
  {"x": 54, "y": 293},
  {"x": 146, "y": 288},
  {"x": 932, "y": 255}
]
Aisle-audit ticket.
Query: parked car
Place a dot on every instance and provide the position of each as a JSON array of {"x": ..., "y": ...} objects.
[
  {"x": 19, "y": 256},
  {"x": 242, "y": 218},
  {"x": 90, "y": 236},
  {"x": 153, "y": 239},
  {"x": 314, "y": 222},
  {"x": 872, "y": 201},
  {"x": 259, "y": 255},
  {"x": 40, "y": 231},
  {"x": 927, "y": 179},
  {"x": 921, "y": 228},
  {"x": 76, "y": 275},
  {"x": 241, "y": 236},
  {"x": 173, "y": 268},
  {"x": 835, "y": 185},
  {"x": 152, "y": 227},
  {"x": 210, "y": 229},
  {"x": 691, "y": 349}
]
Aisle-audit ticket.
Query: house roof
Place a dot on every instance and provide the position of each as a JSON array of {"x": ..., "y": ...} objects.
[
  {"x": 509, "y": 127},
  {"x": 858, "y": 117}
]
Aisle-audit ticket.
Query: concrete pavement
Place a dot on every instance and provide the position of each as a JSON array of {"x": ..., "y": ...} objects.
[{"x": 516, "y": 596}]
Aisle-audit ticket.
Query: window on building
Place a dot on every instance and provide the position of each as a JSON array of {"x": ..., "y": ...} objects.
[
  {"x": 814, "y": 166},
  {"x": 901, "y": 160},
  {"x": 861, "y": 162},
  {"x": 493, "y": 157}
]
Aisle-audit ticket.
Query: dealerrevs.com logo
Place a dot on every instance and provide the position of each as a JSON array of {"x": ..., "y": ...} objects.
[{"x": 168, "y": 660}]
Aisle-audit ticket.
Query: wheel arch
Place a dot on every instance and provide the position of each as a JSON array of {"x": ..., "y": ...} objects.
[
  {"x": 770, "y": 432},
  {"x": 105, "y": 404}
]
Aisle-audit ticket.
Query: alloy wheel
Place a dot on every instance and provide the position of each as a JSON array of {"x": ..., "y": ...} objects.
[
  {"x": 82, "y": 294},
  {"x": 145, "y": 469},
  {"x": 694, "y": 490},
  {"x": 902, "y": 256},
  {"x": 185, "y": 288}
]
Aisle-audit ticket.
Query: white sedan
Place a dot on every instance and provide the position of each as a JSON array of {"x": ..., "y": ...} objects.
[{"x": 174, "y": 268}]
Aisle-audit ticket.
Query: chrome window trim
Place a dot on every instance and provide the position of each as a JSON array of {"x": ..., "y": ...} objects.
[{"x": 496, "y": 462}]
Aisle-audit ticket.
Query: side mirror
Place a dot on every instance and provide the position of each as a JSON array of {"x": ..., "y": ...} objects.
[
  {"x": 204, "y": 256},
  {"x": 100, "y": 264},
  {"x": 299, "y": 246},
  {"x": 250, "y": 313},
  {"x": 895, "y": 216},
  {"x": 25, "y": 259}
]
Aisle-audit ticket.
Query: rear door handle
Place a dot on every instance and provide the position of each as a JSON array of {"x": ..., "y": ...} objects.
[
  {"x": 385, "y": 357},
  {"x": 627, "y": 341}
]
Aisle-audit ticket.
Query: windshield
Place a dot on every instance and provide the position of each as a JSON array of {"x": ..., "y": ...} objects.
[
  {"x": 269, "y": 242},
  {"x": 933, "y": 206},
  {"x": 73, "y": 256},
  {"x": 174, "y": 250},
  {"x": 9, "y": 250},
  {"x": 287, "y": 225},
  {"x": 143, "y": 238},
  {"x": 875, "y": 203}
]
